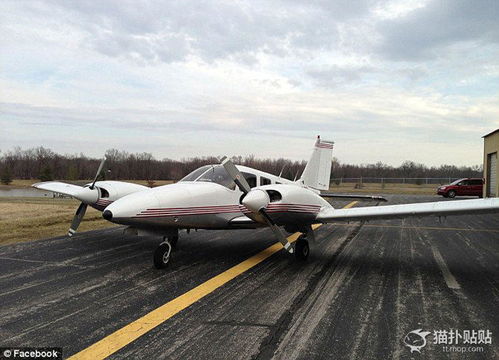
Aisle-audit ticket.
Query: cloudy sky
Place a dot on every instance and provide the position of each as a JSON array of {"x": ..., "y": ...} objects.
[{"x": 387, "y": 81}]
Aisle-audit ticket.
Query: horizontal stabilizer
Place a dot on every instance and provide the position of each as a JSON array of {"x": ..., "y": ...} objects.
[
  {"x": 358, "y": 197},
  {"x": 439, "y": 208},
  {"x": 58, "y": 187}
]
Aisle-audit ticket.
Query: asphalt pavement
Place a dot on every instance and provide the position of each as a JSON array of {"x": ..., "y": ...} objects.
[{"x": 364, "y": 287}]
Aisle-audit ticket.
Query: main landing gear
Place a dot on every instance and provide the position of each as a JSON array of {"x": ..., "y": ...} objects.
[
  {"x": 163, "y": 253},
  {"x": 302, "y": 250}
]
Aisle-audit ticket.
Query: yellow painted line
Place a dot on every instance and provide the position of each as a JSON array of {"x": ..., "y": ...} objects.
[
  {"x": 450, "y": 280},
  {"x": 124, "y": 336}
]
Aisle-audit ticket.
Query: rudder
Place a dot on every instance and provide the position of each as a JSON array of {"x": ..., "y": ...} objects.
[{"x": 317, "y": 173}]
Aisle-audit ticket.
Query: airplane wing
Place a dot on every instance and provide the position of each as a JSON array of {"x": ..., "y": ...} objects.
[
  {"x": 439, "y": 208},
  {"x": 58, "y": 187},
  {"x": 350, "y": 196}
]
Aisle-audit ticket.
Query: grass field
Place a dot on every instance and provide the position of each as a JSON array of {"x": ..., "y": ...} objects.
[
  {"x": 404, "y": 189},
  {"x": 25, "y": 219}
]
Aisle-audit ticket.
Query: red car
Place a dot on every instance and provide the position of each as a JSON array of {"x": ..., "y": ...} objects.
[{"x": 464, "y": 187}]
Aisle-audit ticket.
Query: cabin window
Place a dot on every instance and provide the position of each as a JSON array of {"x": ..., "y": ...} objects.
[
  {"x": 250, "y": 178},
  {"x": 264, "y": 181}
]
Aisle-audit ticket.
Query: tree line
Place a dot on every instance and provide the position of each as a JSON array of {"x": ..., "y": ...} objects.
[{"x": 44, "y": 164}]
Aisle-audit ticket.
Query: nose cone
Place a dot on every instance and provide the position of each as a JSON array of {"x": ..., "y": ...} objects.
[
  {"x": 256, "y": 200},
  {"x": 108, "y": 215},
  {"x": 125, "y": 210}
]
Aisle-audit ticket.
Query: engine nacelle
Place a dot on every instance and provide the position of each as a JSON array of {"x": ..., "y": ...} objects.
[
  {"x": 87, "y": 195},
  {"x": 285, "y": 204},
  {"x": 108, "y": 191},
  {"x": 256, "y": 200}
]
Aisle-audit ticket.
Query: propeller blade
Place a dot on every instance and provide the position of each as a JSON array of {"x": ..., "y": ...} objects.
[
  {"x": 277, "y": 232},
  {"x": 77, "y": 219},
  {"x": 235, "y": 174},
  {"x": 98, "y": 172},
  {"x": 243, "y": 185}
]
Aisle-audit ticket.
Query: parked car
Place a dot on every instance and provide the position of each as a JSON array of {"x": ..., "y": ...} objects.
[{"x": 462, "y": 187}]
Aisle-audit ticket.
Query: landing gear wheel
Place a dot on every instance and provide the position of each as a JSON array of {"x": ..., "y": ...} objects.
[
  {"x": 162, "y": 255},
  {"x": 302, "y": 249},
  {"x": 451, "y": 194}
]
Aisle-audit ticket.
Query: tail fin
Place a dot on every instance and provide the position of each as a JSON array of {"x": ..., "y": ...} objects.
[{"x": 317, "y": 173}]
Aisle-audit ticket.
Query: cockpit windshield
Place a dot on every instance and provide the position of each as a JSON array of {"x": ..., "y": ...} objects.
[
  {"x": 211, "y": 173},
  {"x": 196, "y": 173}
]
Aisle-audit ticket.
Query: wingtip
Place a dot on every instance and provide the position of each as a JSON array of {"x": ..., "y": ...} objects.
[{"x": 35, "y": 185}]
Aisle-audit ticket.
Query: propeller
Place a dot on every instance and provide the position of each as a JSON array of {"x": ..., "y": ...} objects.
[
  {"x": 98, "y": 172},
  {"x": 86, "y": 195},
  {"x": 256, "y": 201},
  {"x": 80, "y": 212}
]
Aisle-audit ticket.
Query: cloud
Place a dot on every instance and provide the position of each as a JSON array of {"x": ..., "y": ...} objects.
[
  {"x": 209, "y": 30},
  {"x": 334, "y": 75},
  {"x": 426, "y": 32},
  {"x": 201, "y": 77}
]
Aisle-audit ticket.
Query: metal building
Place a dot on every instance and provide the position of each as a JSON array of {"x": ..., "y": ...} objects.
[{"x": 490, "y": 163}]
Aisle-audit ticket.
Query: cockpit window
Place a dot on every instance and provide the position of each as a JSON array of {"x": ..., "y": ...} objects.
[
  {"x": 196, "y": 173},
  {"x": 218, "y": 175}
]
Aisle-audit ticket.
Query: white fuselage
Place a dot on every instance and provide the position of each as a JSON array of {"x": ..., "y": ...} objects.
[{"x": 208, "y": 205}]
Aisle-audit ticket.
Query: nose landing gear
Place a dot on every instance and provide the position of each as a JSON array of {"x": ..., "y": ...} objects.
[
  {"x": 163, "y": 253},
  {"x": 302, "y": 249}
]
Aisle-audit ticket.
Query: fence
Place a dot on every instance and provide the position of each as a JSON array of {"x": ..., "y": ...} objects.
[{"x": 385, "y": 180}]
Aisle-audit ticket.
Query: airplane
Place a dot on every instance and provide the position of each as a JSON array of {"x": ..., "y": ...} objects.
[{"x": 228, "y": 196}]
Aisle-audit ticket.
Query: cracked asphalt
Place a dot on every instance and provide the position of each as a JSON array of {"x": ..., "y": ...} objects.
[{"x": 364, "y": 287}]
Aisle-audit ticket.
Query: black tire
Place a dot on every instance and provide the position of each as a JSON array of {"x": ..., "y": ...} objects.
[
  {"x": 451, "y": 194},
  {"x": 162, "y": 255},
  {"x": 302, "y": 250}
]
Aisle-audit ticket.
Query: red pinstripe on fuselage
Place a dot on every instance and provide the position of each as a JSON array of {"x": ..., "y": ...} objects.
[{"x": 225, "y": 209}]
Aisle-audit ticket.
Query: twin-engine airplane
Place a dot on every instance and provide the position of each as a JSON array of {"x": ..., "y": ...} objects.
[{"x": 228, "y": 196}]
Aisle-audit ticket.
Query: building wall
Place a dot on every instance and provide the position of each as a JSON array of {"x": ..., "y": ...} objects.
[{"x": 491, "y": 145}]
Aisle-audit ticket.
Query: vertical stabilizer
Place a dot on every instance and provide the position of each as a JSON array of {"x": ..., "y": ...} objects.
[{"x": 317, "y": 173}]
